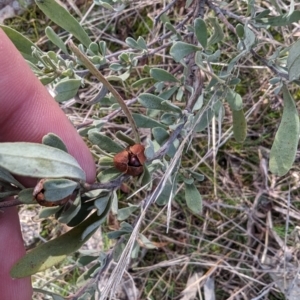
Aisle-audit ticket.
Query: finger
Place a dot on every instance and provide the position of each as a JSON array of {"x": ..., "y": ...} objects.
[
  {"x": 11, "y": 249},
  {"x": 28, "y": 112}
]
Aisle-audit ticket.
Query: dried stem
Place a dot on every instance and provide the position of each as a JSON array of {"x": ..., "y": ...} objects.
[{"x": 89, "y": 65}]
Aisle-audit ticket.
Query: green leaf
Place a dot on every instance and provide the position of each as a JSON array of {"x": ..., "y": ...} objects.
[
  {"x": 23, "y": 44},
  {"x": 162, "y": 75},
  {"x": 108, "y": 175},
  {"x": 101, "y": 204},
  {"x": 205, "y": 119},
  {"x": 141, "y": 82},
  {"x": 201, "y": 31},
  {"x": 64, "y": 19},
  {"x": 54, "y": 251},
  {"x": 168, "y": 93},
  {"x": 68, "y": 214},
  {"x": 283, "y": 20},
  {"x": 141, "y": 42},
  {"x": 48, "y": 211},
  {"x": 40, "y": 161},
  {"x": 132, "y": 43},
  {"x": 293, "y": 61},
  {"x": 249, "y": 38},
  {"x": 7, "y": 177},
  {"x": 218, "y": 34},
  {"x": 55, "y": 39},
  {"x": 85, "y": 210},
  {"x": 55, "y": 141},
  {"x": 180, "y": 49},
  {"x": 154, "y": 102},
  {"x": 193, "y": 198},
  {"x": 57, "y": 189},
  {"x": 146, "y": 122},
  {"x": 284, "y": 148},
  {"x": 26, "y": 196},
  {"x": 124, "y": 229},
  {"x": 164, "y": 196},
  {"x": 104, "y": 142},
  {"x": 240, "y": 31},
  {"x": 125, "y": 138},
  {"x": 146, "y": 176},
  {"x": 239, "y": 125},
  {"x": 234, "y": 100},
  {"x": 125, "y": 212},
  {"x": 66, "y": 89}
]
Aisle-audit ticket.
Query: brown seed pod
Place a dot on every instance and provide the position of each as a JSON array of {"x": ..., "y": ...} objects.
[
  {"x": 130, "y": 161},
  {"x": 38, "y": 194}
]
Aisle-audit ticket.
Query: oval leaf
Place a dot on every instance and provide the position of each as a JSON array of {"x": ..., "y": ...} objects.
[
  {"x": 239, "y": 125},
  {"x": 284, "y": 148},
  {"x": 201, "y": 32},
  {"x": 162, "y": 75},
  {"x": 26, "y": 197},
  {"x": 64, "y": 19},
  {"x": 193, "y": 198},
  {"x": 146, "y": 122},
  {"x": 234, "y": 100},
  {"x": 55, "y": 39},
  {"x": 154, "y": 102},
  {"x": 180, "y": 49},
  {"x": 104, "y": 142},
  {"x": 57, "y": 189},
  {"x": 55, "y": 141},
  {"x": 66, "y": 89},
  {"x": 40, "y": 161}
]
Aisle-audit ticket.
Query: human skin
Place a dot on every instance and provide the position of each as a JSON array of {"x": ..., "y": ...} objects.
[{"x": 28, "y": 112}]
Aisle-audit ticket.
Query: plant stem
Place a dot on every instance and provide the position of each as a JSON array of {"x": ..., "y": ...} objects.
[{"x": 90, "y": 66}]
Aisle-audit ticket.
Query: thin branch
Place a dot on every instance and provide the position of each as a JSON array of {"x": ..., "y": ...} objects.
[
  {"x": 167, "y": 7},
  {"x": 90, "y": 66},
  {"x": 10, "y": 203}
]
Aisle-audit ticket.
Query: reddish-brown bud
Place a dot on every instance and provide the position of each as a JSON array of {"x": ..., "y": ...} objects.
[{"x": 130, "y": 161}]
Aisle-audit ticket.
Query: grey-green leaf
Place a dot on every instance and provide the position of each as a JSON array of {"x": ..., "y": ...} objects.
[
  {"x": 218, "y": 34},
  {"x": 154, "y": 102},
  {"x": 104, "y": 142},
  {"x": 201, "y": 32},
  {"x": 7, "y": 177},
  {"x": 55, "y": 39},
  {"x": 193, "y": 198},
  {"x": 293, "y": 61},
  {"x": 40, "y": 161},
  {"x": 234, "y": 100},
  {"x": 282, "y": 20},
  {"x": 64, "y": 19},
  {"x": 54, "y": 251},
  {"x": 124, "y": 213},
  {"x": 26, "y": 196},
  {"x": 55, "y": 141},
  {"x": 162, "y": 75},
  {"x": 284, "y": 148},
  {"x": 239, "y": 124},
  {"x": 240, "y": 31},
  {"x": 23, "y": 44},
  {"x": 59, "y": 188},
  {"x": 66, "y": 89},
  {"x": 146, "y": 122},
  {"x": 180, "y": 49}
]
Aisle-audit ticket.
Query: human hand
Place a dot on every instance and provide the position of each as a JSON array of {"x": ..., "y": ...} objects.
[{"x": 28, "y": 112}]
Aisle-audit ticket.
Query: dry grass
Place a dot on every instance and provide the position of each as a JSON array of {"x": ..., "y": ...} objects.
[{"x": 244, "y": 233}]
